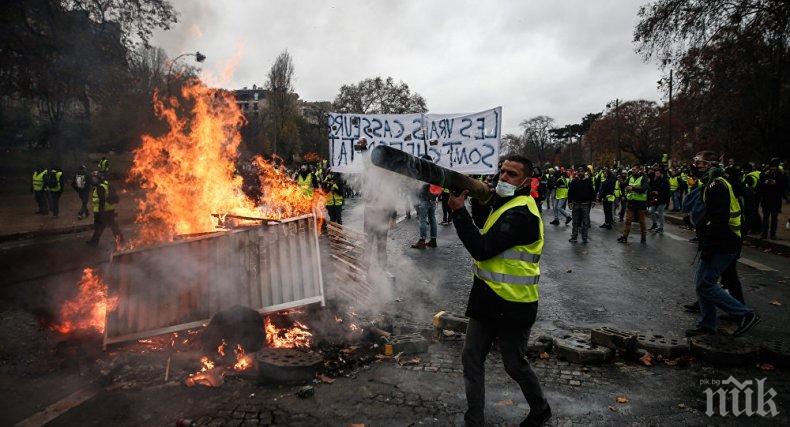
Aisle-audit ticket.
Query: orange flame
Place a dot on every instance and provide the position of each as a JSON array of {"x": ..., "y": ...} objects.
[
  {"x": 189, "y": 173},
  {"x": 243, "y": 360},
  {"x": 207, "y": 364},
  {"x": 294, "y": 337},
  {"x": 88, "y": 309}
]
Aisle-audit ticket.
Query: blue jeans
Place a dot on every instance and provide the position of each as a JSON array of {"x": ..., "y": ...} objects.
[
  {"x": 426, "y": 211},
  {"x": 677, "y": 201},
  {"x": 710, "y": 295},
  {"x": 559, "y": 208},
  {"x": 657, "y": 215}
]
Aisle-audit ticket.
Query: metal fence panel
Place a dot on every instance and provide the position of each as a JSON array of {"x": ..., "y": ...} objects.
[{"x": 180, "y": 285}]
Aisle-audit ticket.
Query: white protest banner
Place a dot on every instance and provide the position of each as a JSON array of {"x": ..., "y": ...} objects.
[{"x": 466, "y": 143}]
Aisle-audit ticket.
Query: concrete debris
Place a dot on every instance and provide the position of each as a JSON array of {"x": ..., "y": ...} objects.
[
  {"x": 306, "y": 391},
  {"x": 668, "y": 347},
  {"x": 579, "y": 349},
  {"x": 409, "y": 343},
  {"x": 614, "y": 338}
]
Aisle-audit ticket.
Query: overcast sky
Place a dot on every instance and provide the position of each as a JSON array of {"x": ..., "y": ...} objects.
[{"x": 563, "y": 59}]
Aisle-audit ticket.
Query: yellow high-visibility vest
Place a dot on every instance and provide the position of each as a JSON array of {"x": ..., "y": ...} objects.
[
  {"x": 514, "y": 273},
  {"x": 334, "y": 198},
  {"x": 38, "y": 180},
  {"x": 57, "y": 186},
  {"x": 633, "y": 195},
  {"x": 95, "y": 198},
  {"x": 306, "y": 183},
  {"x": 755, "y": 175},
  {"x": 735, "y": 208},
  {"x": 562, "y": 189},
  {"x": 104, "y": 165},
  {"x": 673, "y": 183}
]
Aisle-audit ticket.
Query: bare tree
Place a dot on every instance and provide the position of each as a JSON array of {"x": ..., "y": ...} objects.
[
  {"x": 379, "y": 96},
  {"x": 282, "y": 116},
  {"x": 537, "y": 137}
]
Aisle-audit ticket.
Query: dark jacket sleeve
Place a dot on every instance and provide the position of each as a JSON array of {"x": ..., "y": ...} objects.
[
  {"x": 102, "y": 197},
  {"x": 716, "y": 234},
  {"x": 572, "y": 190},
  {"x": 516, "y": 226}
]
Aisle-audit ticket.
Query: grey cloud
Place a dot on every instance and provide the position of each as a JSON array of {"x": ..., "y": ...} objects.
[{"x": 562, "y": 59}]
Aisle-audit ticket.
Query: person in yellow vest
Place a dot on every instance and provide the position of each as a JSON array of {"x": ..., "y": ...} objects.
[
  {"x": 720, "y": 241},
  {"x": 54, "y": 183},
  {"x": 619, "y": 195},
  {"x": 505, "y": 240},
  {"x": 607, "y": 196},
  {"x": 104, "y": 166},
  {"x": 306, "y": 179},
  {"x": 751, "y": 177},
  {"x": 636, "y": 191},
  {"x": 103, "y": 201},
  {"x": 674, "y": 190},
  {"x": 37, "y": 187},
  {"x": 334, "y": 198},
  {"x": 561, "y": 198}
]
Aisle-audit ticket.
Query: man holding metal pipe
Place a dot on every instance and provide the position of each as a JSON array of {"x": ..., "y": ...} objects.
[{"x": 504, "y": 235}]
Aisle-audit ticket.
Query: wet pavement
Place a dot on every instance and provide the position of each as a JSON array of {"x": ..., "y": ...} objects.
[{"x": 631, "y": 287}]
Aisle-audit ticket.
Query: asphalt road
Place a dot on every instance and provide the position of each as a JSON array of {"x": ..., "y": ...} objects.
[{"x": 633, "y": 287}]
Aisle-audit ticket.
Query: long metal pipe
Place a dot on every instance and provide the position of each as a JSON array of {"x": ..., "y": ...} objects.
[{"x": 423, "y": 170}]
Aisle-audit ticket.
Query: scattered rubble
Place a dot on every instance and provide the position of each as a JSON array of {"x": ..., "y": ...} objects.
[{"x": 579, "y": 349}]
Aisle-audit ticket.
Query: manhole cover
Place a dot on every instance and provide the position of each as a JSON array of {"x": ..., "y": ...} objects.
[
  {"x": 668, "y": 347},
  {"x": 724, "y": 350},
  {"x": 287, "y": 365},
  {"x": 776, "y": 352}
]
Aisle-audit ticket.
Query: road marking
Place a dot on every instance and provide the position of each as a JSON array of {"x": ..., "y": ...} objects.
[
  {"x": 58, "y": 408},
  {"x": 675, "y": 237},
  {"x": 755, "y": 264}
]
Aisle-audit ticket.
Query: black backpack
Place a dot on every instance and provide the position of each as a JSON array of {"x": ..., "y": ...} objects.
[{"x": 50, "y": 179}]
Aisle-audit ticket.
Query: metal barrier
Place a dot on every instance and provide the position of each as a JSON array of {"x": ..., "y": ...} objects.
[{"x": 180, "y": 285}]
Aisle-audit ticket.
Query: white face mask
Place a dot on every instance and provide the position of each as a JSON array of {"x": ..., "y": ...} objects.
[{"x": 506, "y": 189}]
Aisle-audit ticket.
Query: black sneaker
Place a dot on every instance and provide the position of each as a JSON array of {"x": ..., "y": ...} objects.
[
  {"x": 747, "y": 322},
  {"x": 555, "y": 222},
  {"x": 572, "y": 240},
  {"x": 643, "y": 240},
  {"x": 653, "y": 227},
  {"x": 698, "y": 331},
  {"x": 731, "y": 318},
  {"x": 568, "y": 220},
  {"x": 537, "y": 419},
  {"x": 622, "y": 239}
]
